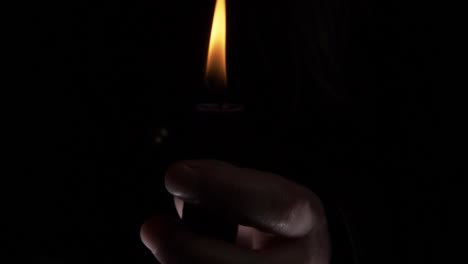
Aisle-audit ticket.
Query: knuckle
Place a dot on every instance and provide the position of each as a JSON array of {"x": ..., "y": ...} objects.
[{"x": 300, "y": 214}]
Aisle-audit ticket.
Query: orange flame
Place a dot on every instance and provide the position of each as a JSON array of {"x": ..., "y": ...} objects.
[{"x": 216, "y": 73}]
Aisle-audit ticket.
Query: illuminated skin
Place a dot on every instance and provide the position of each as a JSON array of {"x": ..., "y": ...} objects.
[{"x": 291, "y": 218}]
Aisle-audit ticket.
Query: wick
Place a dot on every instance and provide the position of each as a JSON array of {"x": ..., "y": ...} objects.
[{"x": 222, "y": 105}]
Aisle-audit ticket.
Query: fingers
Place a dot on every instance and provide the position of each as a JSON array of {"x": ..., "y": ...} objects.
[
  {"x": 244, "y": 234},
  {"x": 171, "y": 243},
  {"x": 259, "y": 199}
]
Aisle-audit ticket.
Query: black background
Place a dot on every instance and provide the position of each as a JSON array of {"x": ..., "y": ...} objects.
[{"x": 339, "y": 97}]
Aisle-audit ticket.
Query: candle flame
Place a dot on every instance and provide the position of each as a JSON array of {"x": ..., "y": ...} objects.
[{"x": 216, "y": 73}]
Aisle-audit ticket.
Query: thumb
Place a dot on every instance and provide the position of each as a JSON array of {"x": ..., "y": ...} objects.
[{"x": 158, "y": 234}]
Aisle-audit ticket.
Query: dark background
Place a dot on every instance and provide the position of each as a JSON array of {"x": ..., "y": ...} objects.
[{"x": 339, "y": 97}]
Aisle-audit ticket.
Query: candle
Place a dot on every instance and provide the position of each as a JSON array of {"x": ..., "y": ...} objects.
[
  {"x": 214, "y": 129},
  {"x": 218, "y": 123}
]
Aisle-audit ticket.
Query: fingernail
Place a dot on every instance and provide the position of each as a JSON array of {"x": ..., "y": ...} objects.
[{"x": 181, "y": 181}]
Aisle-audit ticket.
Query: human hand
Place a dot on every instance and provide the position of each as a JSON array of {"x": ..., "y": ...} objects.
[{"x": 279, "y": 221}]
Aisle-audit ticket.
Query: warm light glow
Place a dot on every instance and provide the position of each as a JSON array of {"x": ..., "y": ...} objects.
[{"x": 216, "y": 75}]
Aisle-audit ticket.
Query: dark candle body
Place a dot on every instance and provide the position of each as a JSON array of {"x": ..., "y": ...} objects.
[{"x": 209, "y": 131}]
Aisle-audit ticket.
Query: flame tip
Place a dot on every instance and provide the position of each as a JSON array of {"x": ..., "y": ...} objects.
[{"x": 216, "y": 61}]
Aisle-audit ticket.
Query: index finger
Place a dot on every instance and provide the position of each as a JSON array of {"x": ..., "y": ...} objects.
[{"x": 263, "y": 200}]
